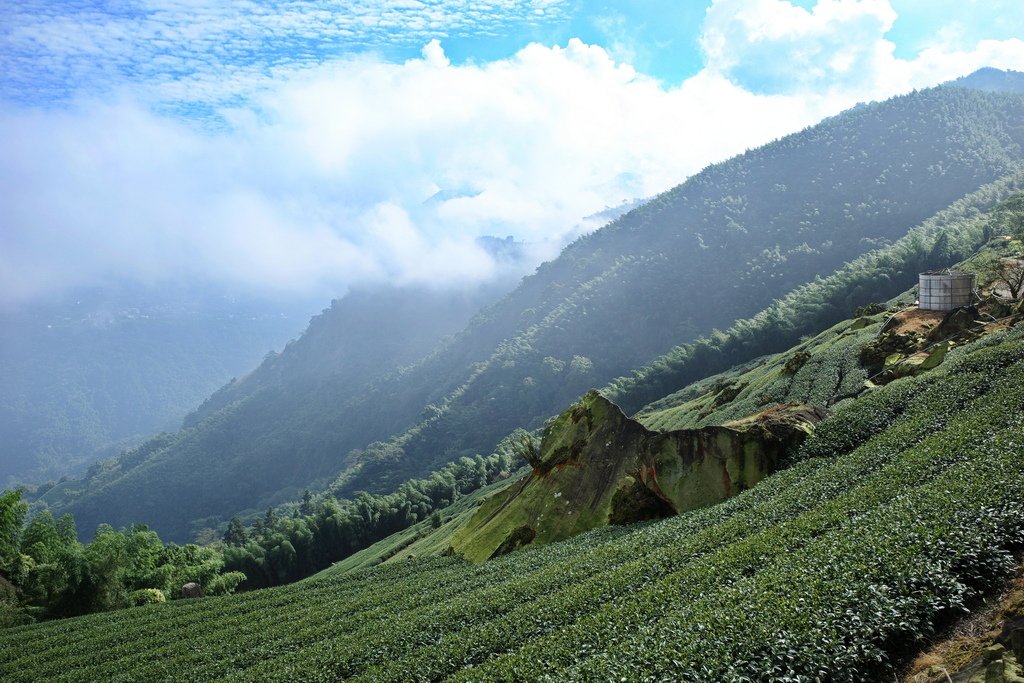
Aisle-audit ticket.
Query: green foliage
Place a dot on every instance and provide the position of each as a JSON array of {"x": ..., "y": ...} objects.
[
  {"x": 12, "y": 516},
  {"x": 235, "y": 533},
  {"x": 225, "y": 584},
  {"x": 1010, "y": 215},
  {"x": 942, "y": 250},
  {"x": 819, "y": 371},
  {"x": 11, "y": 611},
  {"x": 874, "y": 308},
  {"x": 146, "y": 596},
  {"x": 106, "y": 560},
  {"x": 795, "y": 362},
  {"x": 53, "y": 575},
  {"x": 53, "y": 565},
  {"x": 525, "y": 445},
  {"x": 880, "y": 274},
  {"x": 903, "y": 508},
  {"x": 287, "y": 548}
]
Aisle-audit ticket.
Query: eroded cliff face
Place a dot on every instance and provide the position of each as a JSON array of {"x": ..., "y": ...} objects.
[{"x": 597, "y": 467}]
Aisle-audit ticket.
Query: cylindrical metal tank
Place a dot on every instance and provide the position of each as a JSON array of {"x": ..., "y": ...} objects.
[{"x": 944, "y": 290}]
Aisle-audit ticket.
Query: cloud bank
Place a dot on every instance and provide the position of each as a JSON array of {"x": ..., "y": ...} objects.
[
  {"x": 359, "y": 170},
  {"x": 362, "y": 170}
]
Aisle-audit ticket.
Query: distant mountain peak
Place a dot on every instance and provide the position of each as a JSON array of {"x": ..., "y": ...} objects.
[
  {"x": 991, "y": 79},
  {"x": 502, "y": 248}
]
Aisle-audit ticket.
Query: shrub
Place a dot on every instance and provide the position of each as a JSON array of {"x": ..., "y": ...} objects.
[{"x": 146, "y": 596}]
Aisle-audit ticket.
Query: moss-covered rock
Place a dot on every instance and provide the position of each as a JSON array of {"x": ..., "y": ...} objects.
[
  {"x": 598, "y": 467},
  {"x": 887, "y": 348}
]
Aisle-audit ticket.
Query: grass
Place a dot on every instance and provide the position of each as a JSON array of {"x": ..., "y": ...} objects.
[
  {"x": 420, "y": 539},
  {"x": 905, "y": 506}
]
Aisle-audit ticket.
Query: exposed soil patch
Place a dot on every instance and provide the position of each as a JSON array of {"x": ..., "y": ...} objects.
[{"x": 914, "y": 321}]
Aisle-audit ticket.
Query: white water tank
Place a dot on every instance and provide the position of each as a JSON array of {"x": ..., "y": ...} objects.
[{"x": 944, "y": 290}]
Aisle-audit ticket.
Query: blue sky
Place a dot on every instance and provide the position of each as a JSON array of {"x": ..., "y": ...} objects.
[
  {"x": 53, "y": 51},
  {"x": 313, "y": 145}
]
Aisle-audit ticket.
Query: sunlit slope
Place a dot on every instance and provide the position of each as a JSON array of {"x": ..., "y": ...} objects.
[
  {"x": 831, "y": 368},
  {"x": 420, "y": 539},
  {"x": 903, "y": 505},
  {"x": 953, "y": 234},
  {"x": 835, "y": 365},
  {"x": 816, "y": 371}
]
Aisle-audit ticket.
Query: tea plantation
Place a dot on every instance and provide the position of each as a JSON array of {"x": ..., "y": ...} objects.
[{"x": 904, "y": 508}]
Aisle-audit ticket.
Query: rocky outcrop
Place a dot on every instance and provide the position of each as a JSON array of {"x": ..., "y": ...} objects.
[
  {"x": 191, "y": 590},
  {"x": 913, "y": 341},
  {"x": 1001, "y": 662},
  {"x": 996, "y": 664},
  {"x": 986, "y": 647},
  {"x": 596, "y": 466}
]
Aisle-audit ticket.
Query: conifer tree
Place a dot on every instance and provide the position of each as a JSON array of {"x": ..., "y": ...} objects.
[{"x": 235, "y": 533}]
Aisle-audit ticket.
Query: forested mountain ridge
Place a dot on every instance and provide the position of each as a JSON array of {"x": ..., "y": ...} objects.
[
  {"x": 364, "y": 334},
  {"x": 992, "y": 80},
  {"x": 701, "y": 255},
  {"x": 300, "y": 538},
  {"x": 717, "y": 248},
  {"x": 951, "y": 235},
  {"x": 86, "y": 371}
]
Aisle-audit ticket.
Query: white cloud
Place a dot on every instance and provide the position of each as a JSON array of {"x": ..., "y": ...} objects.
[
  {"x": 837, "y": 46},
  {"x": 773, "y": 45},
  {"x": 360, "y": 169},
  {"x": 937, "y": 64}
]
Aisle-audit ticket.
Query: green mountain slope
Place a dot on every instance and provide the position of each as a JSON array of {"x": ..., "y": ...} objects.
[
  {"x": 762, "y": 399},
  {"x": 949, "y": 236},
  {"x": 902, "y": 508},
  {"x": 361, "y": 336},
  {"x": 85, "y": 375},
  {"x": 715, "y": 249}
]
